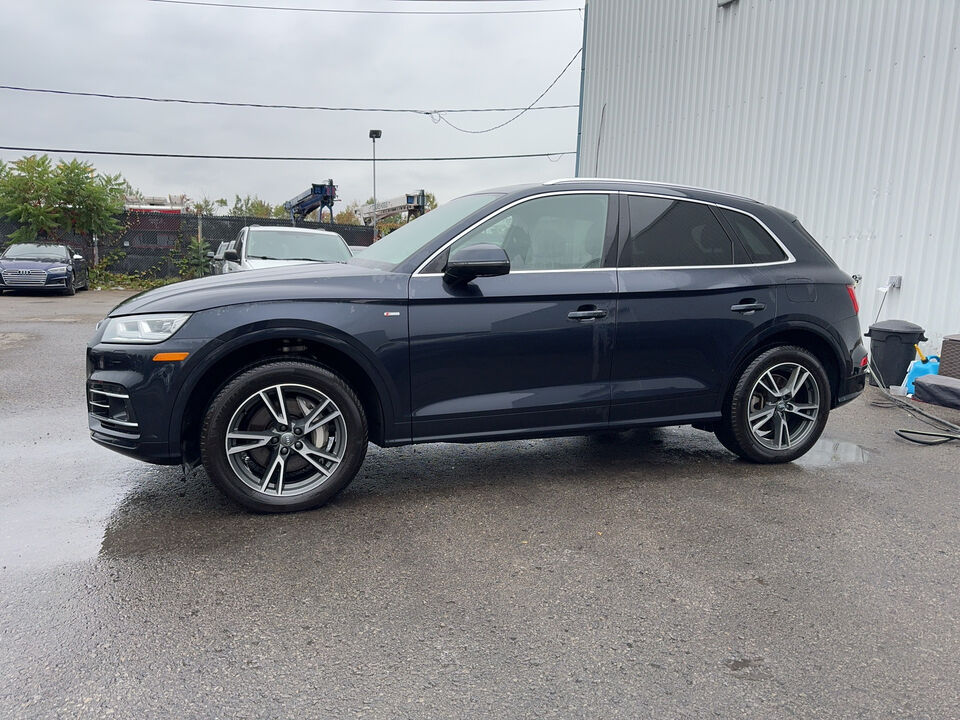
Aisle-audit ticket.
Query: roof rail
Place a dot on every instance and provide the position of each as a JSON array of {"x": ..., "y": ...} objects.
[{"x": 559, "y": 181}]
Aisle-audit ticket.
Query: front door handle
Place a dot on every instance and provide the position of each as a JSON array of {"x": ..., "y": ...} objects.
[
  {"x": 748, "y": 307},
  {"x": 587, "y": 312}
]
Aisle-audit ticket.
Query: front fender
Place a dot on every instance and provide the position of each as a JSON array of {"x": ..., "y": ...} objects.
[{"x": 376, "y": 345}]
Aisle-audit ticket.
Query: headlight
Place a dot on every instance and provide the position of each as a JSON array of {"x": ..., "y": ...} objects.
[
  {"x": 143, "y": 328},
  {"x": 57, "y": 270}
]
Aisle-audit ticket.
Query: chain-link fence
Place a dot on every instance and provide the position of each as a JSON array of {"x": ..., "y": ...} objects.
[{"x": 164, "y": 244}]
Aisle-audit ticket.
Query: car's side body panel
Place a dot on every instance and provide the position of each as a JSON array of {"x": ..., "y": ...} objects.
[
  {"x": 501, "y": 356},
  {"x": 677, "y": 338}
]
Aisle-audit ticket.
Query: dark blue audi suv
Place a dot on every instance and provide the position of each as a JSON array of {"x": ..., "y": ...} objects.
[{"x": 569, "y": 307}]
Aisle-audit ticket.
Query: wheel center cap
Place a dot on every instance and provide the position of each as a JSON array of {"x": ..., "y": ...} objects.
[
  {"x": 287, "y": 439},
  {"x": 781, "y": 406}
]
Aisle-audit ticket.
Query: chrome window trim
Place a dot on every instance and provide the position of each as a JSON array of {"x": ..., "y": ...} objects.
[
  {"x": 780, "y": 244},
  {"x": 417, "y": 273}
]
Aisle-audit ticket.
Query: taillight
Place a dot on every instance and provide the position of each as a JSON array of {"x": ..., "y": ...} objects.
[{"x": 853, "y": 299}]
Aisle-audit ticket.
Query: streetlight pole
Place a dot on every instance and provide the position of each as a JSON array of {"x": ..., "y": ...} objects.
[{"x": 374, "y": 134}]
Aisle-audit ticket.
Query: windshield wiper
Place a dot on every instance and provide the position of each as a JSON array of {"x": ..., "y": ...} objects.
[
  {"x": 262, "y": 257},
  {"x": 317, "y": 260}
]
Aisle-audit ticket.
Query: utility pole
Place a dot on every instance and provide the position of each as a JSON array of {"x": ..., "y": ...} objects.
[
  {"x": 200, "y": 242},
  {"x": 374, "y": 134}
]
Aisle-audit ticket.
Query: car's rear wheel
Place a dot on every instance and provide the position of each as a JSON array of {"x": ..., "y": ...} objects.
[
  {"x": 778, "y": 408},
  {"x": 284, "y": 436}
]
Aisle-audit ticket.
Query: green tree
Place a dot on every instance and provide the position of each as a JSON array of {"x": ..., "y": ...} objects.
[
  {"x": 206, "y": 206},
  {"x": 69, "y": 197},
  {"x": 251, "y": 206},
  {"x": 349, "y": 215},
  {"x": 194, "y": 262}
]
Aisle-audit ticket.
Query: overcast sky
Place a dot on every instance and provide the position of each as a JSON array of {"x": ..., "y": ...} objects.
[{"x": 157, "y": 49}]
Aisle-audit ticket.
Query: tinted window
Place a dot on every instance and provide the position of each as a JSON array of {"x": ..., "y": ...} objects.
[
  {"x": 672, "y": 233},
  {"x": 561, "y": 232},
  {"x": 759, "y": 244}
]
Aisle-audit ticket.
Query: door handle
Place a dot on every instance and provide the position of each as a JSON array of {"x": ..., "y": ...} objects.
[
  {"x": 748, "y": 307},
  {"x": 587, "y": 312}
]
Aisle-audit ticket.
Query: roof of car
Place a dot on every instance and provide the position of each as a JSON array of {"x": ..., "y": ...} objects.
[
  {"x": 653, "y": 186},
  {"x": 288, "y": 228}
]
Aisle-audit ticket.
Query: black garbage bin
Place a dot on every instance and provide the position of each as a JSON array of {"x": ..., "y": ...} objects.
[{"x": 891, "y": 349}]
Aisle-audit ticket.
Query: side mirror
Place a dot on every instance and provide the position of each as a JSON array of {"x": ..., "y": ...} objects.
[
  {"x": 231, "y": 255},
  {"x": 482, "y": 260},
  {"x": 78, "y": 257},
  {"x": 210, "y": 254}
]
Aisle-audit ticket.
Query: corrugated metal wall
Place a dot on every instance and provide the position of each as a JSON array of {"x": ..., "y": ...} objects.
[{"x": 845, "y": 112}]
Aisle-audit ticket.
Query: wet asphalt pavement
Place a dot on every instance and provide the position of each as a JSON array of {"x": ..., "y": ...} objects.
[{"x": 648, "y": 574}]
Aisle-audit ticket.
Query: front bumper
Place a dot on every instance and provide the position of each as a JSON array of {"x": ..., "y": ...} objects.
[
  {"x": 47, "y": 283},
  {"x": 130, "y": 398}
]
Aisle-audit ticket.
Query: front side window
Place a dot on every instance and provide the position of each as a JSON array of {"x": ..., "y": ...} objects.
[
  {"x": 407, "y": 240},
  {"x": 560, "y": 232},
  {"x": 674, "y": 233}
]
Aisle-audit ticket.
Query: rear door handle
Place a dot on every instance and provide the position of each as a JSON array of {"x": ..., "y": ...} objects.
[
  {"x": 587, "y": 312},
  {"x": 748, "y": 307}
]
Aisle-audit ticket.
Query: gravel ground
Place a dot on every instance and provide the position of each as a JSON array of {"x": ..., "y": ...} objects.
[{"x": 646, "y": 574}]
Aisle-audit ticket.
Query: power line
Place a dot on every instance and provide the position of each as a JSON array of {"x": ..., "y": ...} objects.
[
  {"x": 226, "y": 103},
  {"x": 297, "y": 158},
  {"x": 525, "y": 110},
  {"x": 204, "y": 3}
]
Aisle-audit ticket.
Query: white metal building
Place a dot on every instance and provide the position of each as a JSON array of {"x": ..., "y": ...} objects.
[{"x": 844, "y": 112}]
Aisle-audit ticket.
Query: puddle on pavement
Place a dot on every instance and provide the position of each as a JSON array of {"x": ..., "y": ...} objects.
[
  {"x": 46, "y": 530},
  {"x": 828, "y": 452}
]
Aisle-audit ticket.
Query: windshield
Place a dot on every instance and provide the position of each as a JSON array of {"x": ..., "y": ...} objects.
[
  {"x": 408, "y": 239},
  {"x": 287, "y": 245},
  {"x": 34, "y": 251}
]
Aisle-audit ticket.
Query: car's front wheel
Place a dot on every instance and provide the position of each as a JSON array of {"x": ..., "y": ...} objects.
[
  {"x": 778, "y": 408},
  {"x": 70, "y": 285},
  {"x": 284, "y": 436}
]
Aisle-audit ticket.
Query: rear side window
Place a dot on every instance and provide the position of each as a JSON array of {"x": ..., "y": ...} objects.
[
  {"x": 813, "y": 242},
  {"x": 762, "y": 247},
  {"x": 674, "y": 233}
]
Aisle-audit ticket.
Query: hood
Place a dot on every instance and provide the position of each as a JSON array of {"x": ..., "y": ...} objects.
[
  {"x": 263, "y": 263},
  {"x": 7, "y": 264},
  {"x": 311, "y": 281}
]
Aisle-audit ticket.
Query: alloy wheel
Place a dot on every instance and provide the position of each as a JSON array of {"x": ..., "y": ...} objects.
[
  {"x": 286, "y": 440},
  {"x": 784, "y": 406}
]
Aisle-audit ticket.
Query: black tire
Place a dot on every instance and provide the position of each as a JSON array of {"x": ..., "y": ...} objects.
[
  {"x": 750, "y": 396},
  {"x": 233, "y": 474},
  {"x": 71, "y": 288}
]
